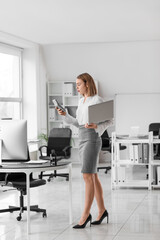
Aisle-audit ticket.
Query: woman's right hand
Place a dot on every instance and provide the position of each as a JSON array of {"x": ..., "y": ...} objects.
[{"x": 60, "y": 112}]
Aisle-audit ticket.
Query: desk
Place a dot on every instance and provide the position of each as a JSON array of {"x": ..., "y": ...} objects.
[{"x": 29, "y": 168}]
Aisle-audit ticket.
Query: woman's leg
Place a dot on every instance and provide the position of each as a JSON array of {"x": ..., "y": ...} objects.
[
  {"x": 89, "y": 195},
  {"x": 98, "y": 193}
]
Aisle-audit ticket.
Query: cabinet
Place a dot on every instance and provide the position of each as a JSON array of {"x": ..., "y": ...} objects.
[
  {"x": 136, "y": 166},
  {"x": 55, "y": 90},
  {"x": 67, "y": 96}
]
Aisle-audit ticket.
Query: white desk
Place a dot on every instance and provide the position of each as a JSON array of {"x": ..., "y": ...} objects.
[{"x": 39, "y": 168}]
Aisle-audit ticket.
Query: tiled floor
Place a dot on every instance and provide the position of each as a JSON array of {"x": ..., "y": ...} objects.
[{"x": 134, "y": 213}]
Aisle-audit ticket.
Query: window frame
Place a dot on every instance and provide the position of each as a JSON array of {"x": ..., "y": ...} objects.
[{"x": 16, "y": 51}]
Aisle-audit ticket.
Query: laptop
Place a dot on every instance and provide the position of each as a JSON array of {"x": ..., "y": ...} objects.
[{"x": 101, "y": 112}]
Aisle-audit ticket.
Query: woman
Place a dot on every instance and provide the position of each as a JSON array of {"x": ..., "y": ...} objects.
[{"x": 89, "y": 147}]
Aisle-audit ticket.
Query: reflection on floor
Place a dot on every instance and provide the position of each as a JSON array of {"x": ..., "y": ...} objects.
[{"x": 134, "y": 213}]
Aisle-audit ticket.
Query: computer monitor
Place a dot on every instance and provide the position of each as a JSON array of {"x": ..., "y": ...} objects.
[{"x": 13, "y": 136}]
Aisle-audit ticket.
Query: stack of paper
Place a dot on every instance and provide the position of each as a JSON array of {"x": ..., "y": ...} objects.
[
  {"x": 52, "y": 114},
  {"x": 121, "y": 174},
  {"x": 139, "y": 153},
  {"x": 68, "y": 89}
]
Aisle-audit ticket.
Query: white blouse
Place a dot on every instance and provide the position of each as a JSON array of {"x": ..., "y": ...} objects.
[{"x": 82, "y": 114}]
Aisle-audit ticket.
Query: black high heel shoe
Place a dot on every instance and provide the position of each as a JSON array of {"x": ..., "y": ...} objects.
[
  {"x": 89, "y": 219},
  {"x": 105, "y": 214}
]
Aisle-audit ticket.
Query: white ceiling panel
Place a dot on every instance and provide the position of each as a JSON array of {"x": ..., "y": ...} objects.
[{"x": 81, "y": 21}]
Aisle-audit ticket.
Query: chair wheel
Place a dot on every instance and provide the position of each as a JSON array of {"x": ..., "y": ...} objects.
[
  {"x": 44, "y": 215},
  {"x": 19, "y": 218},
  {"x": 67, "y": 179},
  {"x": 49, "y": 180}
]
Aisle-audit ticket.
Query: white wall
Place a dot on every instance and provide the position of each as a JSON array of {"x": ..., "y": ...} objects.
[
  {"x": 121, "y": 67},
  {"x": 136, "y": 110}
]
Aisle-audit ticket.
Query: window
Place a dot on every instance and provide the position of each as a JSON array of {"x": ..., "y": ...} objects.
[{"x": 10, "y": 82}]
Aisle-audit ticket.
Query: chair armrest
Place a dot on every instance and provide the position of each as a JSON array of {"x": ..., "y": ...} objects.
[
  {"x": 40, "y": 149},
  {"x": 65, "y": 150},
  {"x": 5, "y": 181}
]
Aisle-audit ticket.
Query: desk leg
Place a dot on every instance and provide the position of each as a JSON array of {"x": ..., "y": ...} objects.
[
  {"x": 28, "y": 203},
  {"x": 70, "y": 195}
]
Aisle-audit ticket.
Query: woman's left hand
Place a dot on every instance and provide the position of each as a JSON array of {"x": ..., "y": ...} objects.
[{"x": 92, "y": 125}]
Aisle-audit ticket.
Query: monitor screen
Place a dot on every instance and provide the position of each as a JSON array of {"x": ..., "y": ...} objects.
[{"x": 13, "y": 135}]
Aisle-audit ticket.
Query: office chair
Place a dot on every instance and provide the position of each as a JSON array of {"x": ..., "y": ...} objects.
[
  {"x": 58, "y": 147},
  {"x": 155, "y": 128},
  {"x": 107, "y": 146},
  {"x": 18, "y": 181}
]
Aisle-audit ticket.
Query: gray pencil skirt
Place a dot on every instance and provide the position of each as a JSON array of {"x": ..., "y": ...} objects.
[{"x": 89, "y": 147}]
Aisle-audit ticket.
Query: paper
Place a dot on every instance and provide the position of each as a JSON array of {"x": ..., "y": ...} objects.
[{"x": 36, "y": 162}]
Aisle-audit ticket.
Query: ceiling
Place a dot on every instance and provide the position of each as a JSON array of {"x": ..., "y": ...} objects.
[{"x": 81, "y": 21}]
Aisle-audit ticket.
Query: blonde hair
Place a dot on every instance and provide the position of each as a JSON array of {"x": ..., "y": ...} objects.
[{"x": 88, "y": 80}]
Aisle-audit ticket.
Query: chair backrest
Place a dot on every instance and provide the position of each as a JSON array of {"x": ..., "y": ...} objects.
[
  {"x": 105, "y": 139},
  {"x": 58, "y": 139},
  {"x": 106, "y": 143},
  {"x": 155, "y": 128}
]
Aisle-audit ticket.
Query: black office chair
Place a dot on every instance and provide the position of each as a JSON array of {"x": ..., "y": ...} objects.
[
  {"x": 107, "y": 146},
  {"x": 155, "y": 128},
  {"x": 59, "y": 147},
  {"x": 18, "y": 181}
]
